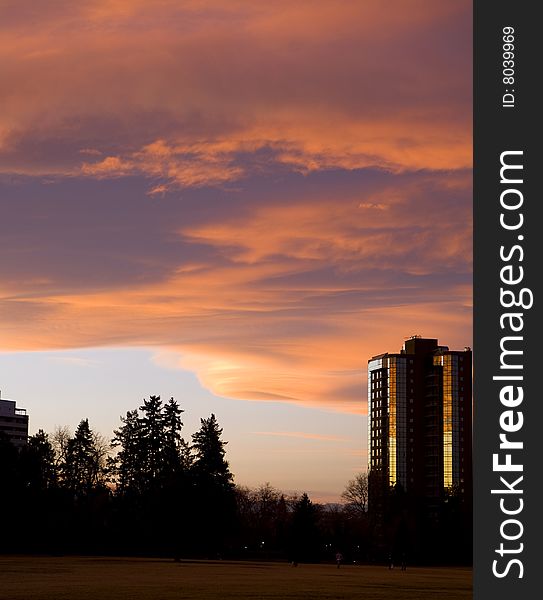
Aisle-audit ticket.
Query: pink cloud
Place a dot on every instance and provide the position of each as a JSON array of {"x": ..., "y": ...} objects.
[
  {"x": 306, "y": 175},
  {"x": 325, "y": 84}
]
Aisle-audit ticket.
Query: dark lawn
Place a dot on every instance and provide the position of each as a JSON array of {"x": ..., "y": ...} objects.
[{"x": 83, "y": 578}]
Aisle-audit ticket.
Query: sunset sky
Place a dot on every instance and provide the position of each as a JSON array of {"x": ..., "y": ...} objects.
[{"x": 235, "y": 203}]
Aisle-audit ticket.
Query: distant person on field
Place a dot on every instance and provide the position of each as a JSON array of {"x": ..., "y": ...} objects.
[{"x": 339, "y": 558}]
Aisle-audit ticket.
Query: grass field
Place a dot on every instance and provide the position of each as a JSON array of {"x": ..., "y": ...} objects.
[{"x": 78, "y": 578}]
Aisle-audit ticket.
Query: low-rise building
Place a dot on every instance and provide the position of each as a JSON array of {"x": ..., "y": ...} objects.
[{"x": 14, "y": 423}]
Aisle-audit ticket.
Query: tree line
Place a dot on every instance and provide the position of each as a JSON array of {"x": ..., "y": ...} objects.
[{"x": 150, "y": 491}]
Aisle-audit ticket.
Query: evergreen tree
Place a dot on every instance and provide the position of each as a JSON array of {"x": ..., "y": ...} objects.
[
  {"x": 39, "y": 498},
  {"x": 304, "y": 532},
  {"x": 85, "y": 466},
  {"x": 176, "y": 450},
  {"x": 153, "y": 437},
  {"x": 128, "y": 465},
  {"x": 209, "y": 453},
  {"x": 37, "y": 460},
  {"x": 151, "y": 450},
  {"x": 151, "y": 474},
  {"x": 213, "y": 502}
]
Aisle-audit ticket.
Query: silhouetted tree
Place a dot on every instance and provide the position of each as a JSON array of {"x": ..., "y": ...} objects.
[
  {"x": 150, "y": 448},
  {"x": 177, "y": 456},
  {"x": 9, "y": 464},
  {"x": 214, "y": 498},
  {"x": 85, "y": 463},
  {"x": 356, "y": 494},
  {"x": 37, "y": 463},
  {"x": 209, "y": 453},
  {"x": 60, "y": 439},
  {"x": 11, "y": 488},
  {"x": 267, "y": 504},
  {"x": 396, "y": 519},
  {"x": 166, "y": 497},
  {"x": 153, "y": 437},
  {"x": 127, "y": 466},
  {"x": 151, "y": 473},
  {"x": 304, "y": 530},
  {"x": 38, "y": 475},
  {"x": 455, "y": 526},
  {"x": 263, "y": 517}
]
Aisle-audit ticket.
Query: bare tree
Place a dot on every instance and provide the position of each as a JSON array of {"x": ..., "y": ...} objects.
[
  {"x": 356, "y": 494},
  {"x": 102, "y": 449},
  {"x": 60, "y": 440}
]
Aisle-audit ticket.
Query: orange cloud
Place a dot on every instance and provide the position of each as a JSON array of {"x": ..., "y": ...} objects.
[
  {"x": 306, "y": 185},
  {"x": 181, "y": 92},
  {"x": 296, "y": 299},
  {"x": 111, "y": 166}
]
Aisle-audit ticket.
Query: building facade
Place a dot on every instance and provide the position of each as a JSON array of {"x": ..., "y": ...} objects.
[
  {"x": 14, "y": 423},
  {"x": 419, "y": 427}
]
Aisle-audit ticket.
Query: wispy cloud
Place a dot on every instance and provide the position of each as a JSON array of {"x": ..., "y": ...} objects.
[
  {"x": 265, "y": 193},
  {"x": 205, "y": 90},
  {"x": 74, "y": 361},
  {"x": 268, "y": 299},
  {"x": 302, "y": 435}
]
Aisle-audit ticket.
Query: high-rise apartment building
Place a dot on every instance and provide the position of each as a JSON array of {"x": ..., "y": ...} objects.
[
  {"x": 419, "y": 425},
  {"x": 14, "y": 423}
]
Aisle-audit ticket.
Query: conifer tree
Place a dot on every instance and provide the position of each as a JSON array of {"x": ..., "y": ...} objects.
[
  {"x": 84, "y": 469},
  {"x": 37, "y": 461},
  {"x": 153, "y": 438},
  {"x": 128, "y": 464},
  {"x": 209, "y": 453}
]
